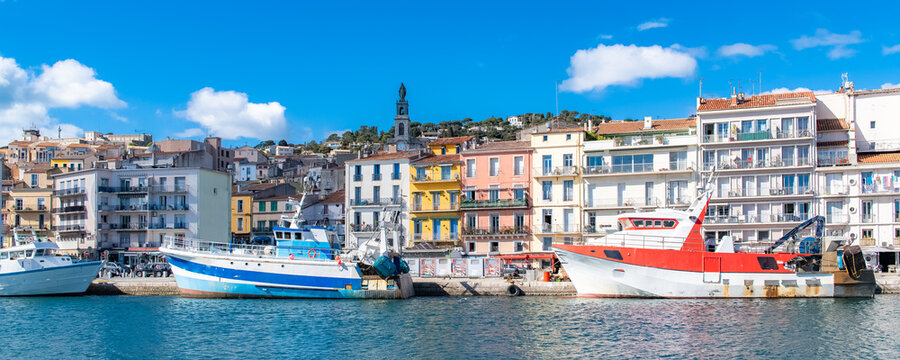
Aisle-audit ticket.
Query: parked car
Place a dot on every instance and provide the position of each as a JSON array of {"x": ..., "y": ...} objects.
[
  {"x": 514, "y": 270},
  {"x": 111, "y": 269},
  {"x": 153, "y": 269}
]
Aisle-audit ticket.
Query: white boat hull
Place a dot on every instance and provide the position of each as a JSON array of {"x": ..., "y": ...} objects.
[
  {"x": 597, "y": 277},
  {"x": 59, "y": 280}
]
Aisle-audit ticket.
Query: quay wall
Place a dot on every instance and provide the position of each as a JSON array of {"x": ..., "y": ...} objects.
[
  {"x": 134, "y": 286},
  {"x": 888, "y": 283},
  {"x": 490, "y": 287}
]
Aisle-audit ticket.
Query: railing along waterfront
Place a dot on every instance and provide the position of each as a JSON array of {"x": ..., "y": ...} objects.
[{"x": 243, "y": 250}]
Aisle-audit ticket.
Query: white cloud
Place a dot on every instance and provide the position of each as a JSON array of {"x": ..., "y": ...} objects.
[
  {"x": 697, "y": 52},
  {"x": 652, "y": 24},
  {"x": 783, "y": 90},
  {"x": 229, "y": 115},
  {"x": 189, "y": 133},
  {"x": 742, "y": 49},
  {"x": 888, "y": 50},
  {"x": 890, "y": 86},
  {"x": 837, "y": 42},
  {"x": 68, "y": 83},
  {"x": 604, "y": 37},
  {"x": 26, "y": 98},
  {"x": 116, "y": 116},
  {"x": 603, "y": 66}
]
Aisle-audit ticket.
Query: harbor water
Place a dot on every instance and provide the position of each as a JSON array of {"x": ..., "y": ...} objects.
[{"x": 122, "y": 327}]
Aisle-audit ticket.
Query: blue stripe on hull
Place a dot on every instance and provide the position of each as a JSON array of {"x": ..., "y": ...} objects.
[
  {"x": 270, "y": 284},
  {"x": 206, "y": 288}
]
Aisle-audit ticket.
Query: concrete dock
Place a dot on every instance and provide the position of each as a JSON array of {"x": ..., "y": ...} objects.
[
  {"x": 134, "y": 286},
  {"x": 887, "y": 283}
]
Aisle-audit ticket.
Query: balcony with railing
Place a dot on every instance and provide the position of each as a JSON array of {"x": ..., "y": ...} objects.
[
  {"x": 758, "y": 164},
  {"x": 170, "y": 188},
  {"x": 376, "y": 201},
  {"x": 39, "y": 208},
  {"x": 168, "y": 226},
  {"x": 429, "y": 177},
  {"x": 68, "y": 209},
  {"x": 130, "y": 226},
  {"x": 755, "y": 219},
  {"x": 169, "y": 207},
  {"x": 496, "y": 232},
  {"x": 123, "y": 189},
  {"x": 739, "y": 192},
  {"x": 69, "y": 192},
  {"x": 612, "y": 203},
  {"x": 126, "y": 207},
  {"x": 755, "y": 136},
  {"x": 879, "y": 188},
  {"x": 832, "y": 160},
  {"x": 363, "y": 228},
  {"x": 435, "y": 207},
  {"x": 836, "y": 219},
  {"x": 395, "y": 175},
  {"x": 357, "y": 177},
  {"x": 376, "y": 177},
  {"x": 493, "y": 204},
  {"x": 261, "y": 229},
  {"x": 830, "y": 190},
  {"x": 435, "y": 238},
  {"x": 555, "y": 171},
  {"x": 68, "y": 228},
  {"x": 558, "y": 229}
]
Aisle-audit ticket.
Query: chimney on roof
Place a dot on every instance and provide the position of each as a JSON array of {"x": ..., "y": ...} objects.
[
  {"x": 590, "y": 124},
  {"x": 648, "y": 122}
]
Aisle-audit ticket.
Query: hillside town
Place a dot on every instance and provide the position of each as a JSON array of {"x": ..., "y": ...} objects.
[{"x": 775, "y": 160}]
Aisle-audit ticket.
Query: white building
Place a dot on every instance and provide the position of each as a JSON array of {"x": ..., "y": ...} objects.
[
  {"x": 373, "y": 185},
  {"x": 514, "y": 121},
  {"x": 762, "y": 149},
  {"x": 638, "y": 165},
  {"x": 128, "y": 212},
  {"x": 556, "y": 187},
  {"x": 245, "y": 170},
  {"x": 278, "y": 150}
]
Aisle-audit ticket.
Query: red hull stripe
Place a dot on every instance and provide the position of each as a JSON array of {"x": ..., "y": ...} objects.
[{"x": 685, "y": 260}]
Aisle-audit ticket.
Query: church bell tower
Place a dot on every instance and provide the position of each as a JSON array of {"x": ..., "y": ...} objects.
[{"x": 401, "y": 121}]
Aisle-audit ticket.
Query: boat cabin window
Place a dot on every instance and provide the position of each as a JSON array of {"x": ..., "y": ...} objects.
[
  {"x": 279, "y": 235},
  {"x": 767, "y": 263},
  {"x": 613, "y": 254},
  {"x": 4, "y": 255},
  {"x": 29, "y": 253},
  {"x": 649, "y": 223},
  {"x": 16, "y": 254},
  {"x": 298, "y": 235}
]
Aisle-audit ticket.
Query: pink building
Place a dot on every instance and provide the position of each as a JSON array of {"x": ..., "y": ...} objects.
[{"x": 496, "y": 213}]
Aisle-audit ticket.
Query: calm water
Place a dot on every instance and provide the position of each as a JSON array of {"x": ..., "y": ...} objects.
[{"x": 473, "y": 327}]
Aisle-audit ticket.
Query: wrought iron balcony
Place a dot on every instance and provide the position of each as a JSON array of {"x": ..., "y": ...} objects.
[{"x": 492, "y": 204}]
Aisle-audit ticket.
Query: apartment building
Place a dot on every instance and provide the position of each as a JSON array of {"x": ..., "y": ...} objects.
[
  {"x": 557, "y": 182},
  {"x": 373, "y": 185},
  {"x": 267, "y": 212},
  {"x": 434, "y": 189},
  {"x": 241, "y": 216},
  {"x": 327, "y": 211},
  {"x": 858, "y": 170},
  {"x": 762, "y": 149},
  {"x": 243, "y": 226},
  {"x": 496, "y": 192},
  {"x": 28, "y": 209},
  {"x": 637, "y": 166},
  {"x": 127, "y": 212}
]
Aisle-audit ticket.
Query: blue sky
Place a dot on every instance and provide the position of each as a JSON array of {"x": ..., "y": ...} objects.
[{"x": 299, "y": 70}]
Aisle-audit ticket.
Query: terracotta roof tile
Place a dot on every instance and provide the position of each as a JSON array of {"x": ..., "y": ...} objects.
[
  {"x": 831, "y": 125},
  {"x": 438, "y": 159},
  {"x": 879, "y": 157},
  {"x": 19, "y": 143},
  {"x": 78, "y": 146},
  {"x": 336, "y": 197},
  {"x": 753, "y": 101},
  {"x": 625, "y": 127},
  {"x": 46, "y": 144},
  {"x": 451, "y": 140},
  {"x": 832, "y": 143}
]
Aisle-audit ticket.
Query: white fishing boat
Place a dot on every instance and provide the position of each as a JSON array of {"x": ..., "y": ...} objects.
[
  {"x": 32, "y": 267},
  {"x": 306, "y": 261}
]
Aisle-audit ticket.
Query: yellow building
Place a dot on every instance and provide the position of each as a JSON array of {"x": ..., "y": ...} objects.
[
  {"x": 241, "y": 215},
  {"x": 28, "y": 208},
  {"x": 434, "y": 190}
]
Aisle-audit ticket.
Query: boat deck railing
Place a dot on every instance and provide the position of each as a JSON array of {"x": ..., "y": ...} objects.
[
  {"x": 257, "y": 251},
  {"x": 643, "y": 241}
]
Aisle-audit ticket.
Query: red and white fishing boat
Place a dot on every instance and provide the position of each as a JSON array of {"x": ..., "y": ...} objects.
[{"x": 661, "y": 254}]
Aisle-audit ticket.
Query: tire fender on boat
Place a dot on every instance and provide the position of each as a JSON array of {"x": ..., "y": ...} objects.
[{"x": 513, "y": 290}]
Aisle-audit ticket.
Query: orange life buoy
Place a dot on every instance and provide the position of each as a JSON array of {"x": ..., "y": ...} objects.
[
  {"x": 292, "y": 256},
  {"x": 312, "y": 253}
]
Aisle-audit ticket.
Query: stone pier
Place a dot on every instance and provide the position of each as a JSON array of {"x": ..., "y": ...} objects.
[{"x": 490, "y": 287}]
